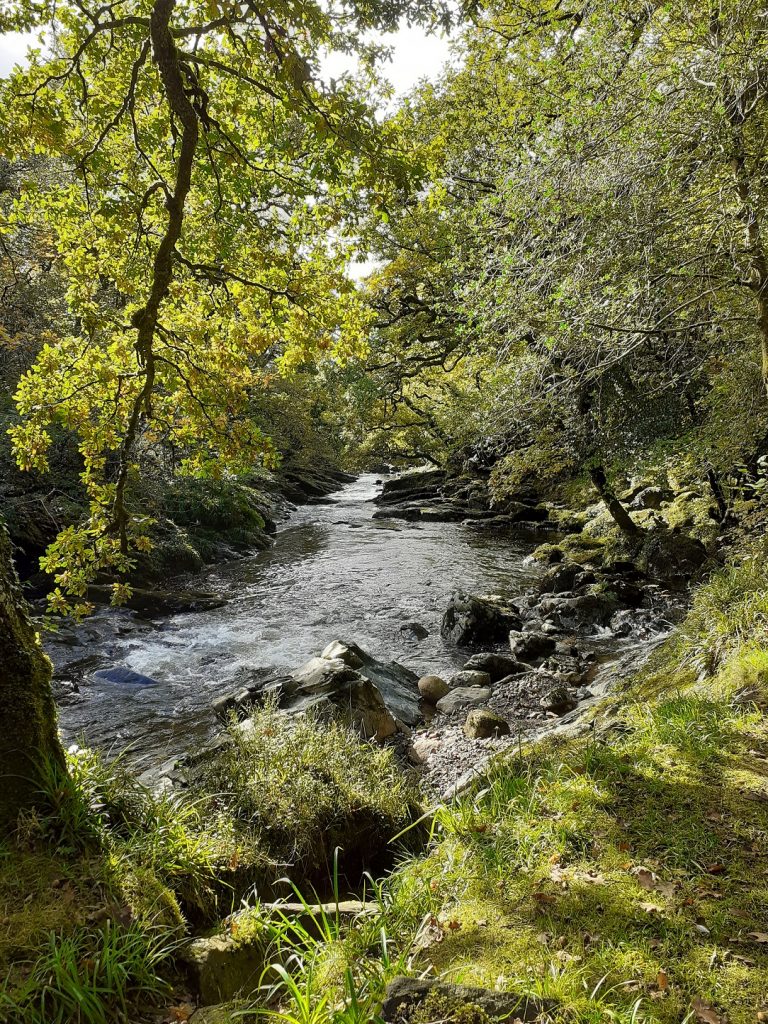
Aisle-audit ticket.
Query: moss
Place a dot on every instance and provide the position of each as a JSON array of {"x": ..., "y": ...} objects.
[{"x": 438, "y": 1007}]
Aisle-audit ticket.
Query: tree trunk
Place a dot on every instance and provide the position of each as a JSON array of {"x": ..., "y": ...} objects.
[
  {"x": 28, "y": 734},
  {"x": 617, "y": 511}
]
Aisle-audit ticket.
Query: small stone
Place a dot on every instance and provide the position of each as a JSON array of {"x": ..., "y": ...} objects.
[
  {"x": 432, "y": 688},
  {"x": 482, "y": 723},
  {"x": 470, "y": 678},
  {"x": 422, "y": 748}
]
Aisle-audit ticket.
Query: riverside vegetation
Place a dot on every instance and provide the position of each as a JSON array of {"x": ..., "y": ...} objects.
[{"x": 568, "y": 324}]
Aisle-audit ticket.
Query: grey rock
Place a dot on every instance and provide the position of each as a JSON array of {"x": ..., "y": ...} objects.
[
  {"x": 471, "y": 621},
  {"x": 532, "y": 648},
  {"x": 462, "y": 697},
  {"x": 469, "y": 678},
  {"x": 498, "y": 666},
  {"x": 404, "y": 995}
]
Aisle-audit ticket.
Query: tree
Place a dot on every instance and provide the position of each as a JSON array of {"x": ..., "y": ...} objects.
[
  {"x": 207, "y": 178},
  {"x": 28, "y": 735}
]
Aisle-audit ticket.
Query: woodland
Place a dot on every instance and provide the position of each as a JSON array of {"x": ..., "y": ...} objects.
[{"x": 556, "y": 359}]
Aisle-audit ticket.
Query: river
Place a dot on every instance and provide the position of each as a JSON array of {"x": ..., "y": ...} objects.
[{"x": 333, "y": 572}]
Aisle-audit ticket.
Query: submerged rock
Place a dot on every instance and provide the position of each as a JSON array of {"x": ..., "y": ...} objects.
[{"x": 124, "y": 676}]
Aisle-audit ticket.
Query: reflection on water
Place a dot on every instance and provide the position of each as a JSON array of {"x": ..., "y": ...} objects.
[{"x": 333, "y": 572}]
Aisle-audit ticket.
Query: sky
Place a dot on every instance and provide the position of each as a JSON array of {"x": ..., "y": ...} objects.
[{"x": 416, "y": 56}]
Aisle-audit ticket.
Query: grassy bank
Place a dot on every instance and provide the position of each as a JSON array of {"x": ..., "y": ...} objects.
[{"x": 621, "y": 872}]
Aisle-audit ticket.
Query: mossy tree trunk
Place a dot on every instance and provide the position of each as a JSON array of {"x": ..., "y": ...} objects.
[
  {"x": 28, "y": 733},
  {"x": 615, "y": 508}
]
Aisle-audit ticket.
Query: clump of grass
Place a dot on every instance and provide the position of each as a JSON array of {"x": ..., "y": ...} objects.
[
  {"x": 729, "y": 612},
  {"x": 90, "y": 977},
  {"x": 305, "y": 788}
]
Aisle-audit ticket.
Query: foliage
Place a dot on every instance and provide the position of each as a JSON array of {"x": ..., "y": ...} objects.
[{"x": 206, "y": 177}]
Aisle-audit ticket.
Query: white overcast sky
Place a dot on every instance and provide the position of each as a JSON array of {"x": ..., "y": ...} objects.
[{"x": 416, "y": 55}]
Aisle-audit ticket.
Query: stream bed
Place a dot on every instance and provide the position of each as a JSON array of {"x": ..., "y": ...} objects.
[{"x": 333, "y": 572}]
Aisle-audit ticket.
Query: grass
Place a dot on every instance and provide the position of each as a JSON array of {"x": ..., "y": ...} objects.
[{"x": 305, "y": 788}]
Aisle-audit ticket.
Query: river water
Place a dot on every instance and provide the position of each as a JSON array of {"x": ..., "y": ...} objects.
[{"x": 333, "y": 573}]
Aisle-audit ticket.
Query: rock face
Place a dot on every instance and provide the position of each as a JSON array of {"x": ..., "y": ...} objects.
[
  {"x": 462, "y": 697},
  {"x": 432, "y": 688},
  {"x": 482, "y": 723},
  {"x": 453, "y": 1004},
  {"x": 471, "y": 621}
]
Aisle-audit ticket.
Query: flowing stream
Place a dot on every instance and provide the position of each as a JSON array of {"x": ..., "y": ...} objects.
[{"x": 333, "y": 572}]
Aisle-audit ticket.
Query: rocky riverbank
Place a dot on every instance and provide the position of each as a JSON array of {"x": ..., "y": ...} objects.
[{"x": 532, "y": 660}]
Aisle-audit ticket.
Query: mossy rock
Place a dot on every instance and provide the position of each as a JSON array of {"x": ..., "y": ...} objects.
[{"x": 426, "y": 1000}]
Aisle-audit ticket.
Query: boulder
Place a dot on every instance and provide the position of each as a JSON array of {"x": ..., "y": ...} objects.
[
  {"x": 669, "y": 553},
  {"x": 482, "y": 723},
  {"x": 532, "y": 648},
  {"x": 498, "y": 666},
  {"x": 419, "y": 485},
  {"x": 471, "y": 621},
  {"x": 347, "y": 695},
  {"x": 338, "y": 651},
  {"x": 469, "y": 678},
  {"x": 405, "y": 999},
  {"x": 433, "y": 688},
  {"x": 333, "y": 678},
  {"x": 462, "y": 697},
  {"x": 651, "y": 497},
  {"x": 220, "y": 967}
]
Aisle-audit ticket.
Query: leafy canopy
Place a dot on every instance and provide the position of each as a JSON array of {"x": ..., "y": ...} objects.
[{"x": 209, "y": 180}]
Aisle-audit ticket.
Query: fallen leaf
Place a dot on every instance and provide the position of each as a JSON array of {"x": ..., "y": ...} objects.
[
  {"x": 180, "y": 1013},
  {"x": 701, "y": 929},
  {"x": 715, "y": 869},
  {"x": 662, "y": 980},
  {"x": 761, "y": 937},
  {"x": 705, "y": 1013},
  {"x": 651, "y": 908},
  {"x": 650, "y": 880},
  {"x": 453, "y": 925},
  {"x": 543, "y": 898}
]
